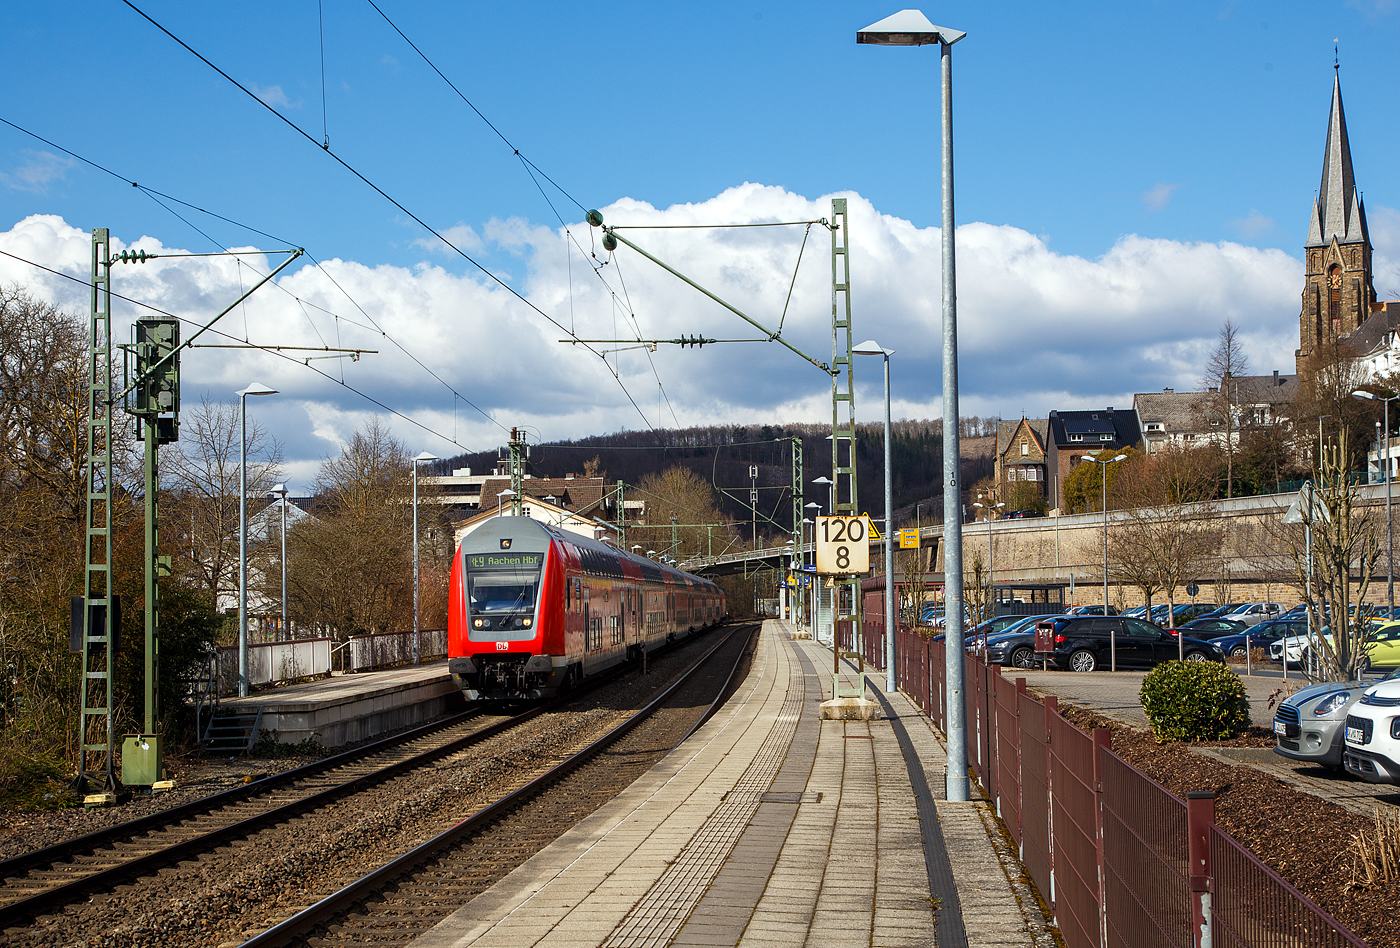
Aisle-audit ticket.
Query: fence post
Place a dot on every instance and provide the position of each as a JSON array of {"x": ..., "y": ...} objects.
[
  {"x": 993, "y": 735},
  {"x": 1052, "y": 708},
  {"x": 1200, "y": 817},
  {"x": 1103, "y": 741}
]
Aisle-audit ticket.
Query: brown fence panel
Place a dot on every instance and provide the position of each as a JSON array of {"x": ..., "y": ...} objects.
[
  {"x": 1253, "y": 906},
  {"x": 938, "y": 683},
  {"x": 1074, "y": 828},
  {"x": 1006, "y": 707},
  {"x": 1147, "y": 886},
  {"x": 1035, "y": 793},
  {"x": 975, "y": 682}
]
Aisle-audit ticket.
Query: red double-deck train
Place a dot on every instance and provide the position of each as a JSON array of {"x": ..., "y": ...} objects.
[{"x": 533, "y": 609}]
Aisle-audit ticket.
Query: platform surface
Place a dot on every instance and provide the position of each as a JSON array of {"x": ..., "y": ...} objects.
[
  {"x": 339, "y": 689},
  {"x": 768, "y": 828}
]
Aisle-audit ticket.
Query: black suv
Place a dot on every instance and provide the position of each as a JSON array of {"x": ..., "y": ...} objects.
[{"x": 1085, "y": 644}]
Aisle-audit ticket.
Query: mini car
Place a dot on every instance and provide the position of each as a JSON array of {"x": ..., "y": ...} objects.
[
  {"x": 1309, "y": 724},
  {"x": 1372, "y": 734}
]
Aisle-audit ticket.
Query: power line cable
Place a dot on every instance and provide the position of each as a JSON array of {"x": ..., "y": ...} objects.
[{"x": 384, "y": 194}]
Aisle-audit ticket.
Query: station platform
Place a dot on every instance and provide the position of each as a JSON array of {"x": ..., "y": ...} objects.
[
  {"x": 347, "y": 708},
  {"x": 770, "y": 828}
]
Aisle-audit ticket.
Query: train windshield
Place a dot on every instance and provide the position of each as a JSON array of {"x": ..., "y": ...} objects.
[
  {"x": 503, "y": 582},
  {"x": 503, "y": 592}
]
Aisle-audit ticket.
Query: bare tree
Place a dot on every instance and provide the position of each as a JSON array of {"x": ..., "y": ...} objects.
[
  {"x": 1345, "y": 550},
  {"x": 351, "y": 565},
  {"x": 201, "y": 473},
  {"x": 1226, "y": 363},
  {"x": 680, "y": 494}
]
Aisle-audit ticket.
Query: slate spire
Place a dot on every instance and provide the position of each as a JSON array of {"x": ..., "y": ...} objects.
[{"x": 1337, "y": 211}]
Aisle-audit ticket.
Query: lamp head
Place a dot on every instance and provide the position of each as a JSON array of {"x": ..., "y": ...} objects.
[
  {"x": 257, "y": 388},
  {"x": 907, "y": 28},
  {"x": 426, "y": 456},
  {"x": 872, "y": 348},
  {"x": 822, "y": 480},
  {"x": 278, "y": 489}
]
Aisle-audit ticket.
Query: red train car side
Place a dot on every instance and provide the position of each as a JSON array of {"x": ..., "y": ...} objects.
[{"x": 533, "y": 609}]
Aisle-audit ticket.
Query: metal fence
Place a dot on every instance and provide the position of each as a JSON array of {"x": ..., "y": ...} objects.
[
  {"x": 383, "y": 649},
  {"x": 273, "y": 662},
  {"x": 1111, "y": 850}
]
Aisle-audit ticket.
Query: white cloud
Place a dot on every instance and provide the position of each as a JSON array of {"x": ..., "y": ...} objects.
[
  {"x": 1159, "y": 195},
  {"x": 461, "y": 235},
  {"x": 1254, "y": 224},
  {"x": 273, "y": 96},
  {"x": 39, "y": 168},
  {"x": 1037, "y": 330}
]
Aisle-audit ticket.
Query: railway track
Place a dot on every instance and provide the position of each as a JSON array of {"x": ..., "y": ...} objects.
[
  {"x": 46, "y": 896},
  {"x": 400, "y": 900}
]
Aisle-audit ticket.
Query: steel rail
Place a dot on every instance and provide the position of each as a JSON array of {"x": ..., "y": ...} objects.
[
  {"x": 298, "y": 925},
  {"x": 27, "y": 908}
]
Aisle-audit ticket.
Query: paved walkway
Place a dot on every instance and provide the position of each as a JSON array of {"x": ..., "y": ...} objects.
[{"x": 771, "y": 828}]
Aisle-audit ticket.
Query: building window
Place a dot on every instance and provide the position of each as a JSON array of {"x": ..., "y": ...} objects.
[
  {"x": 1076, "y": 437},
  {"x": 1025, "y": 449},
  {"x": 1105, "y": 437}
]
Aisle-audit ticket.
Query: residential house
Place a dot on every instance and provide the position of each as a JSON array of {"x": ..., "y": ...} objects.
[
  {"x": 1072, "y": 435},
  {"x": 1021, "y": 455}
]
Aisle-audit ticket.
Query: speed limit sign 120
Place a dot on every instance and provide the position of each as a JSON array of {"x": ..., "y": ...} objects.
[{"x": 843, "y": 545}]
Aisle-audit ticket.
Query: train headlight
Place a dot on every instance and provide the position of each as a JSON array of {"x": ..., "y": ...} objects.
[
  {"x": 527, "y": 622},
  {"x": 480, "y": 624}
]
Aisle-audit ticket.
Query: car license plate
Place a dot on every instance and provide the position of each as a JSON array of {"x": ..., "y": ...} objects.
[
  {"x": 1355, "y": 736},
  {"x": 1280, "y": 728}
]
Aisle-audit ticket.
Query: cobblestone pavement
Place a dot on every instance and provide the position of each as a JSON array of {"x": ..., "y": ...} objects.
[{"x": 1115, "y": 695}]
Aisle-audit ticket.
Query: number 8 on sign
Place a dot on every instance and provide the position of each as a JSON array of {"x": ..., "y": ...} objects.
[{"x": 843, "y": 545}]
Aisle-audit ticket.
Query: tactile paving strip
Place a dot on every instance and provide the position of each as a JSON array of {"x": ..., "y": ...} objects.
[{"x": 655, "y": 919}]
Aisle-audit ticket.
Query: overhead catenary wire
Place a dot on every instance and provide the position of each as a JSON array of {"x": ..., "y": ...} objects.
[
  {"x": 159, "y": 197},
  {"x": 392, "y": 200},
  {"x": 156, "y": 309}
]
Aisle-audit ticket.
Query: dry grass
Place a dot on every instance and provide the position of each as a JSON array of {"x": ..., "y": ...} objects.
[{"x": 1377, "y": 857}]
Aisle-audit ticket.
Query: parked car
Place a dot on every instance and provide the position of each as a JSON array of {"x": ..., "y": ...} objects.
[
  {"x": 1090, "y": 611},
  {"x": 1293, "y": 641},
  {"x": 1085, "y": 644},
  {"x": 991, "y": 627},
  {"x": 1310, "y": 724},
  {"x": 1224, "y": 610},
  {"x": 1192, "y": 610},
  {"x": 1235, "y": 643},
  {"x": 1210, "y": 628},
  {"x": 1382, "y": 647},
  {"x": 1016, "y": 646},
  {"x": 1372, "y": 734},
  {"x": 1255, "y": 612},
  {"x": 1137, "y": 612},
  {"x": 1021, "y": 514}
]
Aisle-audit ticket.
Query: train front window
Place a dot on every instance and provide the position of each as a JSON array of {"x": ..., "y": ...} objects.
[{"x": 494, "y": 593}]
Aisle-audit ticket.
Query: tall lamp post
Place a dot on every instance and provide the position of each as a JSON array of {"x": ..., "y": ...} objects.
[
  {"x": 991, "y": 509},
  {"x": 425, "y": 456},
  {"x": 871, "y": 347},
  {"x": 1103, "y": 464},
  {"x": 257, "y": 388},
  {"x": 280, "y": 491},
  {"x": 830, "y": 486},
  {"x": 912, "y": 28},
  {"x": 814, "y": 601},
  {"x": 506, "y": 494},
  {"x": 1385, "y": 462}
]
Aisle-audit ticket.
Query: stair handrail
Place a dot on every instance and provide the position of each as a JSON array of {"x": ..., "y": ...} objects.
[{"x": 206, "y": 695}]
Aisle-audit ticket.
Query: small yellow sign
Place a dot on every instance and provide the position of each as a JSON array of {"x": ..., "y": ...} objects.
[{"x": 909, "y": 539}]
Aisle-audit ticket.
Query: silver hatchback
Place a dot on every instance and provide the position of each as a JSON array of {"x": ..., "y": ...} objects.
[{"x": 1309, "y": 724}]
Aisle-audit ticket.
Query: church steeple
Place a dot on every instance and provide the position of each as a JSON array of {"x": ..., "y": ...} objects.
[
  {"x": 1338, "y": 295},
  {"x": 1337, "y": 211}
]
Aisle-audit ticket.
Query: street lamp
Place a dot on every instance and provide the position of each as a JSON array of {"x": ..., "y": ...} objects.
[
  {"x": 830, "y": 492},
  {"x": 1112, "y": 636},
  {"x": 821, "y": 597},
  {"x": 1389, "y": 545},
  {"x": 871, "y": 347},
  {"x": 912, "y": 28},
  {"x": 256, "y": 388},
  {"x": 281, "y": 492},
  {"x": 425, "y": 456},
  {"x": 991, "y": 571},
  {"x": 506, "y": 494}
]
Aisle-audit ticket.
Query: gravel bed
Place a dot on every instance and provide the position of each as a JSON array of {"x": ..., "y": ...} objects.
[{"x": 210, "y": 901}]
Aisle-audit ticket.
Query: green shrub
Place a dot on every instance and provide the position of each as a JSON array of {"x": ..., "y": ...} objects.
[{"x": 1194, "y": 701}]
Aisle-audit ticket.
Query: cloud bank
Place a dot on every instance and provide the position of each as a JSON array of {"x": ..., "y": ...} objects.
[{"x": 1038, "y": 330}]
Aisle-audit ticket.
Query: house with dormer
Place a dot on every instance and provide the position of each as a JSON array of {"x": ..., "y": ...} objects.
[
  {"x": 1021, "y": 455},
  {"x": 1072, "y": 435}
]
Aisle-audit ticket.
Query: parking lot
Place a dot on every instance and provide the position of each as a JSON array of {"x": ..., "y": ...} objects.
[{"x": 1115, "y": 695}]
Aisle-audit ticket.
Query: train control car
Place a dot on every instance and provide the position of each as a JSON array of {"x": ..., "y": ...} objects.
[{"x": 533, "y": 609}]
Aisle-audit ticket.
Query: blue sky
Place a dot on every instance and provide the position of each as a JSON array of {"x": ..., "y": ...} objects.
[{"x": 1165, "y": 153}]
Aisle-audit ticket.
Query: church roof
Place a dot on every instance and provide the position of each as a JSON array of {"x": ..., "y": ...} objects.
[{"x": 1337, "y": 211}]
